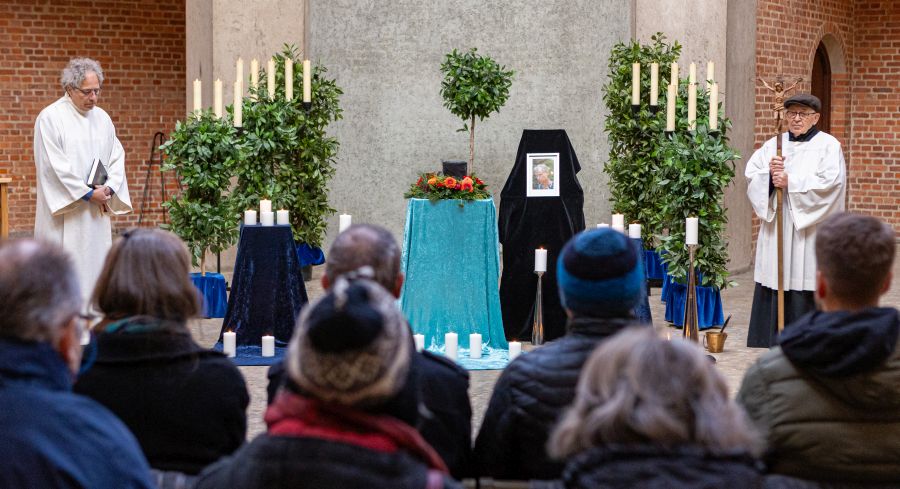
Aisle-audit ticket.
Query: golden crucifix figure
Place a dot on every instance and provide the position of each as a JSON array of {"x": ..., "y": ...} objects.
[{"x": 778, "y": 109}]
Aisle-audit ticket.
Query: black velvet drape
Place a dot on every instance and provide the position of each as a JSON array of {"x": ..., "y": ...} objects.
[{"x": 528, "y": 223}]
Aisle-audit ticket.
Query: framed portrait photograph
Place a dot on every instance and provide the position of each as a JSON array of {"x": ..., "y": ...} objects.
[{"x": 543, "y": 175}]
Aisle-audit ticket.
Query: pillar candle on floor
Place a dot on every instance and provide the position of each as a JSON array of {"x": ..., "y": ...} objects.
[
  {"x": 475, "y": 345},
  {"x": 344, "y": 222},
  {"x": 268, "y": 346},
  {"x": 603, "y": 225},
  {"x": 229, "y": 342},
  {"x": 451, "y": 344},
  {"x": 515, "y": 349},
  {"x": 420, "y": 341}
]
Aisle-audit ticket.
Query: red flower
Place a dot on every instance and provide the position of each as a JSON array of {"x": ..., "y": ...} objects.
[
  {"x": 467, "y": 180},
  {"x": 450, "y": 182},
  {"x": 478, "y": 181},
  {"x": 419, "y": 181},
  {"x": 466, "y": 186}
]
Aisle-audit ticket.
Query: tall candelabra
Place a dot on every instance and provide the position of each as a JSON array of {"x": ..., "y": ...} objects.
[
  {"x": 537, "y": 329},
  {"x": 691, "y": 328}
]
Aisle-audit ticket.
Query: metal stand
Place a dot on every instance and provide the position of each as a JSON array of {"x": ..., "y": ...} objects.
[
  {"x": 537, "y": 330},
  {"x": 156, "y": 157},
  {"x": 307, "y": 106},
  {"x": 691, "y": 328}
]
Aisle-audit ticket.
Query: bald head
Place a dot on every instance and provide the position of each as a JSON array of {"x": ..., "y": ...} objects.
[
  {"x": 39, "y": 293},
  {"x": 365, "y": 245}
]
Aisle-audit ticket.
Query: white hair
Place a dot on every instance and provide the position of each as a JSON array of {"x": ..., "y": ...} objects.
[
  {"x": 541, "y": 168},
  {"x": 73, "y": 75}
]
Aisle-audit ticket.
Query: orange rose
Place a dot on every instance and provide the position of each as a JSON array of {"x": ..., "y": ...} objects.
[
  {"x": 450, "y": 182},
  {"x": 467, "y": 180},
  {"x": 466, "y": 186},
  {"x": 432, "y": 181}
]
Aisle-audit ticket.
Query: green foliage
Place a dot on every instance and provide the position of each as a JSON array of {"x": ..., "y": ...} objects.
[
  {"x": 203, "y": 151},
  {"x": 435, "y": 187},
  {"x": 289, "y": 156},
  {"x": 473, "y": 86},
  {"x": 694, "y": 170},
  {"x": 633, "y": 138}
]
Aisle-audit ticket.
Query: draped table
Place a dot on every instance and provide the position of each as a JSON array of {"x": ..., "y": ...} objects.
[{"x": 451, "y": 261}]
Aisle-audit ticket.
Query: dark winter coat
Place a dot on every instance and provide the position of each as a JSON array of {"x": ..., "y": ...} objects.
[
  {"x": 827, "y": 399},
  {"x": 649, "y": 467},
  {"x": 530, "y": 396},
  {"x": 185, "y": 404},
  {"x": 52, "y": 438},
  {"x": 315, "y": 445},
  {"x": 445, "y": 393}
]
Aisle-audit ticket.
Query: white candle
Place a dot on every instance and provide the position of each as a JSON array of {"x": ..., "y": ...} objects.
[
  {"x": 710, "y": 74},
  {"x": 603, "y": 225},
  {"x": 635, "y": 83},
  {"x": 692, "y": 107},
  {"x": 691, "y": 225},
  {"x": 451, "y": 345},
  {"x": 674, "y": 80},
  {"x": 238, "y": 104},
  {"x": 268, "y": 346},
  {"x": 239, "y": 70},
  {"x": 618, "y": 222},
  {"x": 692, "y": 73},
  {"x": 267, "y": 218},
  {"x": 515, "y": 349},
  {"x": 229, "y": 344},
  {"x": 217, "y": 98},
  {"x": 265, "y": 205},
  {"x": 474, "y": 345},
  {"x": 288, "y": 79},
  {"x": 282, "y": 217},
  {"x": 307, "y": 81},
  {"x": 714, "y": 107},
  {"x": 249, "y": 217},
  {"x": 654, "y": 84},
  {"x": 634, "y": 231},
  {"x": 254, "y": 77},
  {"x": 419, "y": 340},
  {"x": 345, "y": 221},
  {"x": 540, "y": 260},
  {"x": 270, "y": 78},
  {"x": 670, "y": 109},
  {"x": 198, "y": 101}
]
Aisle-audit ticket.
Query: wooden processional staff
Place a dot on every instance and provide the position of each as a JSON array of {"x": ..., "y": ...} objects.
[{"x": 778, "y": 109}]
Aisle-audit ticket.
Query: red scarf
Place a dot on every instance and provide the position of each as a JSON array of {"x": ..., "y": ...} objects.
[{"x": 294, "y": 415}]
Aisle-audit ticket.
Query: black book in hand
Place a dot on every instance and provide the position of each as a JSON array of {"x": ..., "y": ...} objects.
[{"x": 97, "y": 175}]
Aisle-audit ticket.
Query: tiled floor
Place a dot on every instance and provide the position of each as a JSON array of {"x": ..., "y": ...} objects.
[{"x": 731, "y": 363}]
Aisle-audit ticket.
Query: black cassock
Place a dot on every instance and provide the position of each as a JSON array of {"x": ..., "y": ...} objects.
[{"x": 528, "y": 223}]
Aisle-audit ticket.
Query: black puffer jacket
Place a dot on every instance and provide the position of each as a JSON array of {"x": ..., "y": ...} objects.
[
  {"x": 650, "y": 467},
  {"x": 530, "y": 396}
]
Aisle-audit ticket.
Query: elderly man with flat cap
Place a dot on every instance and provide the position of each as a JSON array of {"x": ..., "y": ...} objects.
[{"x": 811, "y": 172}]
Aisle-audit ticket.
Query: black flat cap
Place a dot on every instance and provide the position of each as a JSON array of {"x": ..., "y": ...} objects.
[{"x": 805, "y": 99}]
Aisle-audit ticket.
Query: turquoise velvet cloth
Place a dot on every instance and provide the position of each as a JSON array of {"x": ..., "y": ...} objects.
[{"x": 451, "y": 261}]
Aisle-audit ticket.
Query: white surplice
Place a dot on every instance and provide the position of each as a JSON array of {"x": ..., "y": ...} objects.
[
  {"x": 816, "y": 187},
  {"x": 66, "y": 141}
]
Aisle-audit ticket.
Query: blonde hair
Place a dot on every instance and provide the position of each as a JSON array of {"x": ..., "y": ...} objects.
[{"x": 638, "y": 388}]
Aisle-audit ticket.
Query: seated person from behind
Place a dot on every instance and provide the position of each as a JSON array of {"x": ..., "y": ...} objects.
[
  {"x": 600, "y": 276},
  {"x": 654, "y": 413},
  {"x": 346, "y": 420},
  {"x": 827, "y": 398},
  {"x": 185, "y": 404},
  {"x": 52, "y": 438}
]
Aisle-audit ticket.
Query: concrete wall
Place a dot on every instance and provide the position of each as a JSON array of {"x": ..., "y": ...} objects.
[
  {"x": 724, "y": 32},
  {"x": 386, "y": 56}
]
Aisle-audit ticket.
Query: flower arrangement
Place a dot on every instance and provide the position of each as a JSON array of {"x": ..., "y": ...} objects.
[{"x": 435, "y": 186}]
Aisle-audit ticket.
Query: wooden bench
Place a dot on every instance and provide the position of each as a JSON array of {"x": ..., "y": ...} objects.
[{"x": 4, "y": 206}]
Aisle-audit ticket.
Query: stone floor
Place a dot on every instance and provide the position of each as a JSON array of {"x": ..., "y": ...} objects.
[{"x": 732, "y": 362}]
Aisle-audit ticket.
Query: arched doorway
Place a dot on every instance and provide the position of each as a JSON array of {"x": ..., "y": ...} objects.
[{"x": 821, "y": 85}]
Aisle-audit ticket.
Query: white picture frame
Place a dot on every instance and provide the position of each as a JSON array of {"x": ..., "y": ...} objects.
[{"x": 542, "y": 178}]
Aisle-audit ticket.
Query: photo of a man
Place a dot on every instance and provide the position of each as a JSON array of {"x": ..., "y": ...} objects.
[
  {"x": 542, "y": 175},
  {"x": 542, "y": 180}
]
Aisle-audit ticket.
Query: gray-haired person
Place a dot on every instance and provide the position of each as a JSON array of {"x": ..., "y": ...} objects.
[
  {"x": 69, "y": 136},
  {"x": 52, "y": 437}
]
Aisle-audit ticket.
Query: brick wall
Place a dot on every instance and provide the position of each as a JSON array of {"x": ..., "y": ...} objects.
[
  {"x": 141, "y": 47},
  {"x": 875, "y": 112}
]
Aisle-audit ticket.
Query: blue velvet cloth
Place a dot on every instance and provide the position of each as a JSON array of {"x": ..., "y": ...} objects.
[
  {"x": 655, "y": 268},
  {"x": 452, "y": 265},
  {"x": 310, "y": 255},
  {"x": 212, "y": 289},
  {"x": 642, "y": 310},
  {"x": 249, "y": 355},
  {"x": 709, "y": 306},
  {"x": 267, "y": 290}
]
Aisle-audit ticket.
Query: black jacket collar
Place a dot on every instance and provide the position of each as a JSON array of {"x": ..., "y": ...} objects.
[{"x": 806, "y": 136}]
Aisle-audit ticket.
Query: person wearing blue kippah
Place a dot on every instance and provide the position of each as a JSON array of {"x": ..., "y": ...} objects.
[{"x": 600, "y": 276}]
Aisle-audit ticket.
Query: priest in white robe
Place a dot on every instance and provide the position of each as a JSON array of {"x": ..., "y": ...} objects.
[
  {"x": 812, "y": 174},
  {"x": 69, "y": 135}
]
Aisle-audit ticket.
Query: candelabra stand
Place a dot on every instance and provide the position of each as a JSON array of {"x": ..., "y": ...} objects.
[
  {"x": 691, "y": 329},
  {"x": 537, "y": 330}
]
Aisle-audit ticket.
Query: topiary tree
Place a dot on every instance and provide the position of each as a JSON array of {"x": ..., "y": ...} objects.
[
  {"x": 290, "y": 158},
  {"x": 203, "y": 152},
  {"x": 633, "y": 143},
  {"x": 473, "y": 86}
]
